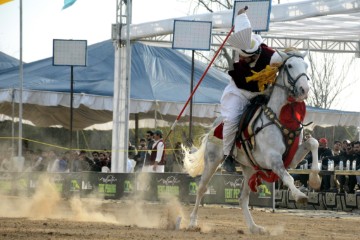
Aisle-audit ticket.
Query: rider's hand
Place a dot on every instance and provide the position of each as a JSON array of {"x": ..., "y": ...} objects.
[{"x": 241, "y": 11}]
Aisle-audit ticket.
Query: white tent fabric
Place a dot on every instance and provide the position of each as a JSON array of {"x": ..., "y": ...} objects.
[{"x": 330, "y": 117}]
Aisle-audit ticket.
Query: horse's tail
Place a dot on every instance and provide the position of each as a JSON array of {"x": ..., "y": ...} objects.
[{"x": 194, "y": 158}]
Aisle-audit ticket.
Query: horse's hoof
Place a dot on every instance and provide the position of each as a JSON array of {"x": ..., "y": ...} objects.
[
  {"x": 301, "y": 198},
  {"x": 193, "y": 224},
  {"x": 314, "y": 181},
  {"x": 193, "y": 228},
  {"x": 256, "y": 229}
]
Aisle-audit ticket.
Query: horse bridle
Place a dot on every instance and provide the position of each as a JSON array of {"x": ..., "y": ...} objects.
[{"x": 292, "y": 81}]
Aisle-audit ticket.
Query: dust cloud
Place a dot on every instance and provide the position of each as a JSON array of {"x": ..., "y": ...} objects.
[
  {"x": 276, "y": 230},
  {"x": 46, "y": 203}
]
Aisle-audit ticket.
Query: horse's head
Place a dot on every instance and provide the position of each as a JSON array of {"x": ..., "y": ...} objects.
[{"x": 293, "y": 74}]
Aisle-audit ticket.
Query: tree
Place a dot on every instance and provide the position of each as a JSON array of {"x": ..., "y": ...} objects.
[{"x": 329, "y": 73}]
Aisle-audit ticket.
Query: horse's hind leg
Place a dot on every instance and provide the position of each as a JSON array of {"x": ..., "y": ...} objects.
[
  {"x": 213, "y": 157},
  {"x": 244, "y": 203}
]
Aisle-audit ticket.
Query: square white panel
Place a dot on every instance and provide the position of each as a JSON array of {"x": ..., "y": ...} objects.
[
  {"x": 69, "y": 52},
  {"x": 258, "y": 13},
  {"x": 192, "y": 35}
]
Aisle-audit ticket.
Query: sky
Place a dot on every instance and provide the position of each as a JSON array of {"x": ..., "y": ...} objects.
[{"x": 44, "y": 20}]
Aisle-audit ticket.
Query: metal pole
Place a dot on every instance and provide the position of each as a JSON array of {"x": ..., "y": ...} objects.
[
  {"x": 71, "y": 104},
  {"x": 121, "y": 99},
  {"x": 191, "y": 89},
  {"x": 13, "y": 123},
  {"x": 21, "y": 76}
]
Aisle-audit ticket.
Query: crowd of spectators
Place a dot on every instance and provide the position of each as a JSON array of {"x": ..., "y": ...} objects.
[
  {"x": 52, "y": 161},
  {"x": 150, "y": 151}
]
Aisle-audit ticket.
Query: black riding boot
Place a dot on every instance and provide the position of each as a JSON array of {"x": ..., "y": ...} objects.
[{"x": 229, "y": 164}]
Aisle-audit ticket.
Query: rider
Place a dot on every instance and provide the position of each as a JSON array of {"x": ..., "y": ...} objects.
[{"x": 238, "y": 92}]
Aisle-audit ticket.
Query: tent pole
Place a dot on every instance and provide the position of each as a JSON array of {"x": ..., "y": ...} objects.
[
  {"x": 121, "y": 99},
  {"x": 13, "y": 124},
  {"x": 136, "y": 129},
  {"x": 21, "y": 75},
  {"x": 191, "y": 89},
  {"x": 71, "y": 105}
]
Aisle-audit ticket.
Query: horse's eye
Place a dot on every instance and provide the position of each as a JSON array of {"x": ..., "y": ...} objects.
[{"x": 289, "y": 66}]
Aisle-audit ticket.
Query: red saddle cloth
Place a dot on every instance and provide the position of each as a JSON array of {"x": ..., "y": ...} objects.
[
  {"x": 291, "y": 115},
  {"x": 219, "y": 130}
]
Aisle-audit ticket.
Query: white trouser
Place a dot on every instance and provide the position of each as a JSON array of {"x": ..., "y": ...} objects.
[{"x": 233, "y": 103}]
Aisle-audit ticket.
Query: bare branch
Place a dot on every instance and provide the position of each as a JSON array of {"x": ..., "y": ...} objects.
[{"x": 329, "y": 78}]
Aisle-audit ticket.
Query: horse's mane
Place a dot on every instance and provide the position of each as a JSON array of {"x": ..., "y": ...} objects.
[{"x": 293, "y": 51}]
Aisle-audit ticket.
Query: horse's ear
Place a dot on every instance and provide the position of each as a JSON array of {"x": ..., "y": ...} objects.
[
  {"x": 282, "y": 54},
  {"x": 278, "y": 58},
  {"x": 304, "y": 53}
]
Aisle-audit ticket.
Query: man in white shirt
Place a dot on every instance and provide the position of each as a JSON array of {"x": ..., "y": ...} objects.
[{"x": 157, "y": 157}]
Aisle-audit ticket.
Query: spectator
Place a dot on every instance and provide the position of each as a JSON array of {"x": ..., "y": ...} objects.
[
  {"x": 97, "y": 163},
  {"x": 150, "y": 142},
  {"x": 107, "y": 154},
  {"x": 103, "y": 159},
  {"x": 157, "y": 157},
  {"x": 82, "y": 163},
  {"x": 40, "y": 163},
  {"x": 357, "y": 157},
  {"x": 132, "y": 152},
  {"x": 6, "y": 164},
  {"x": 104, "y": 162},
  {"x": 343, "y": 181},
  {"x": 345, "y": 145},
  {"x": 54, "y": 162},
  {"x": 336, "y": 150},
  {"x": 324, "y": 153},
  {"x": 65, "y": 162},
  {"x": 140, "y": 157},
  {"x": 354, "y": 181},
  {"x": 254, "y": 56}
]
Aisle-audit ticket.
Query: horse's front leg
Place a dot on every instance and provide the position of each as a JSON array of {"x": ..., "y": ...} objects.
[
  {"x": 310, "y": 145},
  {"x": 277, "y": 166},
  {"x": 244, "y": 203},
  {"x": 314, "y": 178}
]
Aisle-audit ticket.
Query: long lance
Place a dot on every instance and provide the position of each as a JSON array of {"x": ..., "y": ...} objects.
[{"x": 198, "y": 84}]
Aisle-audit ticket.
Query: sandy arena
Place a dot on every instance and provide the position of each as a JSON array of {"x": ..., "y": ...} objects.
[{"x": 47, "y": 216}]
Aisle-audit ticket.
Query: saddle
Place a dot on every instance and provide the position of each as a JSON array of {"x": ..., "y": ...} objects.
[{"x": 246, "y": 132}]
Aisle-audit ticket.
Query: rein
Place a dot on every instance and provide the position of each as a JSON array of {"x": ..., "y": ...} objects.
[{"x": 292, "y": 81}]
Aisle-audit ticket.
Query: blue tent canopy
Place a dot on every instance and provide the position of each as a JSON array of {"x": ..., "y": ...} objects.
[
  {"x": 160, "y": 81},
  {"x": 160, "y": 86},
  {"x": 7, "y": 62}
]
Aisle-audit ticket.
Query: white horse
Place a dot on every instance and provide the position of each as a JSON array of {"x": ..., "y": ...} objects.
[{"x": 291, "y": 81}]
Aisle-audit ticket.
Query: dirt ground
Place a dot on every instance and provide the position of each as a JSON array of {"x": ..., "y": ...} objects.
[
  {"x": 86, "y": 219},
  {"x": 46, "y": 215}
]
